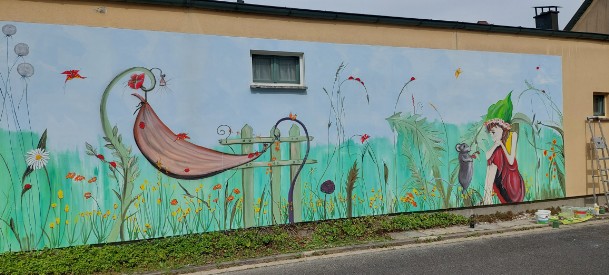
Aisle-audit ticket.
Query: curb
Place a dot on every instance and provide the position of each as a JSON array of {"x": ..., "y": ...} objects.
[{"x": 374, "y": 245}]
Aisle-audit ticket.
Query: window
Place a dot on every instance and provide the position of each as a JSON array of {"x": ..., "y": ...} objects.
[
  {"x": 277, "y": 70},
  {"x": 598, "y": 107}
]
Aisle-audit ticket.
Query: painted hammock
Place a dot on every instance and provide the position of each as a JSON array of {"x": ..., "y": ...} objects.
[{"x": 176, "y": 157}]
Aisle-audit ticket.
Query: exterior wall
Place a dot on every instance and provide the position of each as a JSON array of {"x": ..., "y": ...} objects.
[
  {"x": 595, "y": 19},
  {"x": 577, "y": 66}
]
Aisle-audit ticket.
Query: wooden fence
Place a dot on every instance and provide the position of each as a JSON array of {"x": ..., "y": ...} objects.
[{"x": 247, "y": 142}]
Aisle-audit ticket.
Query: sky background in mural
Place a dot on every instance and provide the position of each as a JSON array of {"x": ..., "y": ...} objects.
[
  {"x": 209, "y": 83},
  {"x": 497, "y": 12}
]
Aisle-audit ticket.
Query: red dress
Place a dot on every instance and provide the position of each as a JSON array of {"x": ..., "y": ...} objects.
[{"x": 508, "y": 183}]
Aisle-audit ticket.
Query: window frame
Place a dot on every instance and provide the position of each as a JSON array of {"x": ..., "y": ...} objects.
[
  {"x": 300, "y": 85},
  {"x": 603, "y": 104}
]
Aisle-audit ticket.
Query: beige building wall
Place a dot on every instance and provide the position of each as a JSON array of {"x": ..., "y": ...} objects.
[
  {"x": 584, "y": 62},
  {"x": 595, "y": 19}
]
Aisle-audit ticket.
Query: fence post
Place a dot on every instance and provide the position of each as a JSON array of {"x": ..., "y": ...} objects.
[
  {"x": 295, "y": 155},
  {"x": 275, "y": 178},
  {"x": 247, "y": 178}
]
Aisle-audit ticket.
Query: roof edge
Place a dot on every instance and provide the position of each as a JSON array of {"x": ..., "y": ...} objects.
[
  {"x": 578, "y": 14},
  {"x": 364, "y": 18}
]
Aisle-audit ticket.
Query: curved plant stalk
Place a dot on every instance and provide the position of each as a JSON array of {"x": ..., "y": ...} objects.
[{"x": 127, "y": 164}]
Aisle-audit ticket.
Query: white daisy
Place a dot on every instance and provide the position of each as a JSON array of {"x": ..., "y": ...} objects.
[{"x": 37, "y": 158}]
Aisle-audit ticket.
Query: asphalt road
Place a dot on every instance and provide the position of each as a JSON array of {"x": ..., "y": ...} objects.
[{"x": 575, "y": 250}]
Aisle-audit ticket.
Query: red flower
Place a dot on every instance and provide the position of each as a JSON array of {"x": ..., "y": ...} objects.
[
  {"x": 358, "y": 80},
  {"x": 100, "y": 156},
  {"x": 113, "y": 164},
  {"x": 26, "y": 187},
  {"x": 142, "y": 125},
  {"x": 136, "y": 81},
  {"x": 412, "y": 79},
  {"x": 236, "y": 191},
  {"x": 250, "y": 155},
  {"x": 87, "y": 195},
  {"x": 174, "y": 202},
  {"x": 350, "y": 78},
  {"x": 364, "y": 137},
  {"x": 187, "y": 170}
]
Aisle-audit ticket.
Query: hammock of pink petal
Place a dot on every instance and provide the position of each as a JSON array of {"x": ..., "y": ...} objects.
[{"x": 177, "y": 157}]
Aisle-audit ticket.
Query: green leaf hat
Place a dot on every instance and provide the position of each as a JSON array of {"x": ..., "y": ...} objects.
[{"x": 501, "y": 111}]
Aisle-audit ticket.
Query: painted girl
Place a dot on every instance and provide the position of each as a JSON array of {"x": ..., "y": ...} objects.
[{"x": 502, "y": 175}]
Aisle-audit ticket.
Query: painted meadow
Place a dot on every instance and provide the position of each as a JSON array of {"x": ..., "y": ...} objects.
[{"x": 379, "y": 130}]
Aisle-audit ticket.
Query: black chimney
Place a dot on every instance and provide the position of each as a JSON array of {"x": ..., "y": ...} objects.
[{"x": 546, "y": 17}]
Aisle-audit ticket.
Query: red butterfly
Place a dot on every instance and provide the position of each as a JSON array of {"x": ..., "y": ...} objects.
[
  {"x": 182, "y": 136},
  {"x": 71, "y": 74}
]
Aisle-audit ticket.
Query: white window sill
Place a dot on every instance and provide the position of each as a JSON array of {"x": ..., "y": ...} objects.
[{"x": 278, "y": 86}]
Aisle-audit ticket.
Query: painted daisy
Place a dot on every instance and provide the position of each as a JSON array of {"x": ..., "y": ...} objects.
[{"x": 37, "y": 158}]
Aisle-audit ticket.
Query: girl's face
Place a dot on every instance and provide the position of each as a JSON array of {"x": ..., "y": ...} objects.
[{"x": 496, "y": 133}]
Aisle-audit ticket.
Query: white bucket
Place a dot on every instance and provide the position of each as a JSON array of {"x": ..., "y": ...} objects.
[{"x": 542, "y": 216}]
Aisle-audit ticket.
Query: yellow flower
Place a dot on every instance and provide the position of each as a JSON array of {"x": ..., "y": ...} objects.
[
  {"x": 52, "y": 225},
  {"x": 158, "y": 201},
  {"x": 60, "y": 194},
  {"x": 57, "y": 220},
  {"x": 67, "y": 208},
  {"x": 143, "y": 187},
  {"x": 257, "y": 209},
  {"x": 67, "y": 222},
  {"x": 114, "y": 217},
  {"x": 372, "y": 190},
  {"x": 115, "y": 206},
  {"x": 173, "y": 213},
  {"x": 147, "y": 225},
  {"x": 98, "y": 213},
  {"x": 53, "y": 205}
]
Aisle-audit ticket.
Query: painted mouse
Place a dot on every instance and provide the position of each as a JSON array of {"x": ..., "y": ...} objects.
[{"x": 466, "y": 165}]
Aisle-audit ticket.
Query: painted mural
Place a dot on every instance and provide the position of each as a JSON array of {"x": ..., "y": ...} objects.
[{"x": 111, "y": 135}]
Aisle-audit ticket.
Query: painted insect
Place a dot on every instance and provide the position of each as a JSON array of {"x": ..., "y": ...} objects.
[
  {"x": 72, "y": 74},
  {"x": 182, "y": 136}
]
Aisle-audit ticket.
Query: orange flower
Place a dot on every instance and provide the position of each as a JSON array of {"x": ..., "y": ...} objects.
[
  {"x": 414, "y": 203},
  {"x": 217, "y": 186},
  {"x": 230, "y": 198},
  {"x": 215, "y": 200},
  {"x": 92, "y": 180},
  {"x": 87, "y": 195},
  {"x": 79, "y": 178},
  {"x": 236, "y": 191},
  {"x": 174, "y": 202},
  {"x": 554, "y": 141},
  {"x": 545, "y": 152},
  {"x": 411, "y": 195},
  {"x": 70, "y": 175}
]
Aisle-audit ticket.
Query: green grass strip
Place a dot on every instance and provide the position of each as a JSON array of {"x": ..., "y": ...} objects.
[{"x": 215, "y": 247}]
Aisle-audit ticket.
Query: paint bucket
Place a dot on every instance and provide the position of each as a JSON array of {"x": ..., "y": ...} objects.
[
  {"x": 580, "y": 212},
  {"x": 542, "y": 216}
]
